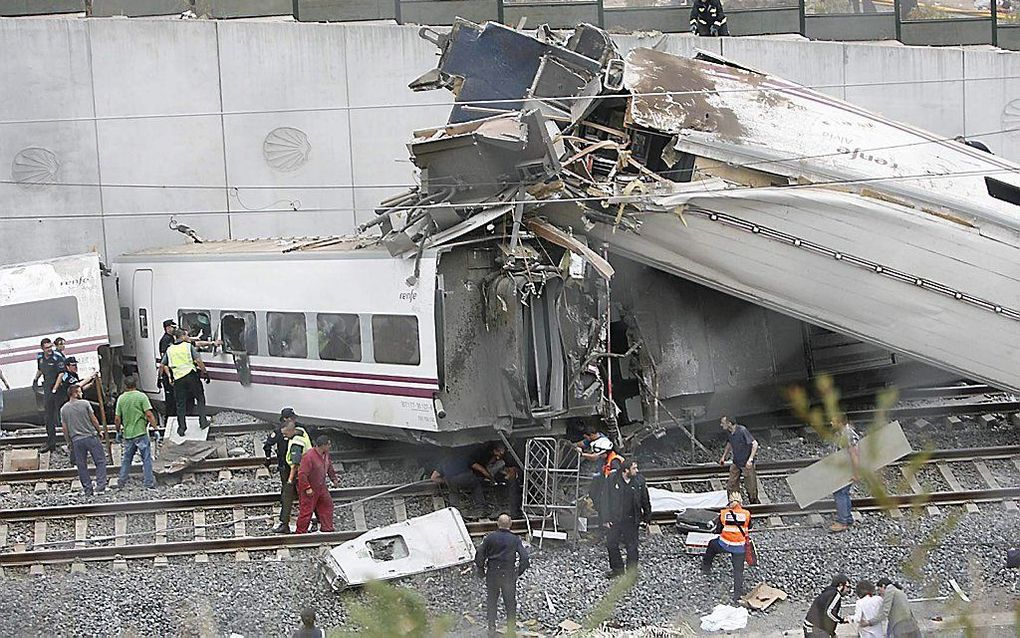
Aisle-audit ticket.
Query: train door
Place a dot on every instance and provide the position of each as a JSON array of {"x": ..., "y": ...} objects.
[{"x": 145, "y": 334}]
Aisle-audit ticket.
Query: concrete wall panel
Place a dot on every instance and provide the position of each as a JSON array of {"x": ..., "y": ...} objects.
[
  {"x": 34, "y": 239},
  {"x": 339, "y": 10},
  {"x": 558, "y": 16},
  {"x": 884, "y": 79},
  {"x": 847, "y": 28},
  {"x": 947, "y": 32},
  {"x": 45, "y": 71},
  {"x": 243, "y": 8},
  {"x": 665, "y": 19},
  {"x": 39, "y": 7},
  {"x": 992, "y": 100},
  {"x": 763, "y": 22},
  {"x": 129, "y": 234},
  {"x": 440, "y": 13},
  {"x": 103, "y": 8},
  {"x": 822, "y": 69},
  {"x": 687, "y": 44},
  {"x": 183, "y": 153},
  {"x": 290, "y": 224}
]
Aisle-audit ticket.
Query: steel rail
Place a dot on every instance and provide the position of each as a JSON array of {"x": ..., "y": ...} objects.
[
  {"x": 957, "y": 406},
  {"x": 344, "y": 494},
  {"x": 209, "y": 546},
  {"x": 206, "y": 465},
  {"x": 38, "y": 435}
]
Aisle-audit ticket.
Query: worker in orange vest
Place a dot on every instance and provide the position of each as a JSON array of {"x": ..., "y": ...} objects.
[{"x": 733, "y": 526}]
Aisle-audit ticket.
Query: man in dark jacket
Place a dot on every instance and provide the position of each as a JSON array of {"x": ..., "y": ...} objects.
[
  {"x": 823, "y": 616},
  {"x": 628, "y": 506},
  {"x": 497, "y": 560},
  {"x": 708, "y": 19}
]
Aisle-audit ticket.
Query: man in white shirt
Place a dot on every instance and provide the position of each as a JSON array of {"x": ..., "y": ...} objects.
[{"x": 868, "y": 606}]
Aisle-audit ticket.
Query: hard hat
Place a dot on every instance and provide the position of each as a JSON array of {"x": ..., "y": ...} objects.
[{"x": 601, "y": 445}]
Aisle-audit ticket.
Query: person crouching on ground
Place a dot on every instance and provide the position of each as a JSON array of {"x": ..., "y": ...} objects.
[{"x": 312, "y": 487}]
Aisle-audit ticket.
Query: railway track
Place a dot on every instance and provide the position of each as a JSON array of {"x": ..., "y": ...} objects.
[{"x": 116, "y": 547}]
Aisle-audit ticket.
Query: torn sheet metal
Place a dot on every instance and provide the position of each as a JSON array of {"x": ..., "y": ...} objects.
[
  {"x": 551, "y": 233},
  {"x": 422, "y": 544},
  {"x": 178, "y": 457},
  {"x": 819, "y": 480}
]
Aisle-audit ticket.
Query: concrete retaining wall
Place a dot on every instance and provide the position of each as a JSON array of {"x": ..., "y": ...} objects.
[{"x": 107, "y": 127}]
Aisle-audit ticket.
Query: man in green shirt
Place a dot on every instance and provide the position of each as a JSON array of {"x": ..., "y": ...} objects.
[{"x": 133, "y": 420}]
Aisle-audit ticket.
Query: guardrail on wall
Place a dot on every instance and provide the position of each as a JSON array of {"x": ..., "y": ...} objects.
[{"x": 922, "y": 22}]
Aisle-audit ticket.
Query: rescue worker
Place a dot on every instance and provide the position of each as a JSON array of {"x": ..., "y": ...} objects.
[
  {"x": 501, "y": 559},
  {"x": 744, "y": 448},
  {"x": 68, "y": 378},
  {"x": 823, "y": 616},
  {"x": 733, "y": 526},
  {"x": 164, "y": 381},
  {"x": 628, "y": 507},
  {"x": 708, "y": 18},
  {"x": 895, "y": 610},
  {"x": 298, "y": 444},
  {"x": 610, "y": 463},
  {"x": 186, "y": 371},
  {"x": 846, "y": 438},
  {"x": 313, "y": 470},
  {"x": 275, "y": 445},
  {"x": 49, "y": 366},
  {"x": 495, "y": 466},
  {"x": 459, "y": 471}
]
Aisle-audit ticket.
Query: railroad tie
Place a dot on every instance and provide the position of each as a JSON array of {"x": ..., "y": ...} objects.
[
  {"x": 5, "y": 489},
  {"x": 117, "y": 453},
  {"x": 199, "y": 518},
  {"x": 3, "y": 535},
  {"x": 40, "y": 533},
  {"x": 239, "y": 523},
  {"x": 360, "y": 523},
  {"x": 373, "y": 464},
  {"x": 78, "y": 566},
  {"x": 41, "y": 486},
  {"x": 44, "y": 461},
  {"x": 242, "y": 556},
  {"x": 676, "y": 486},
  {"x": 989, "y": 478},
  {"x": 954, "y": 485},
  {"x": 400, "y": 509},
  {"x": 37, "y": 570},
  {"x": 774, "y": 519},
  {"x": 916, "y": 488},
  {"x": 120, "y": 530},
  {"x": 261, "y": 471},
  {"x": 438, "y": 502},
  {"x": 161, "y": 528},
  {"x": 81, "y": 531},
  {"x": 225, "y": 475},
  {"x": 717, "y": 484},
  {"x": 283, "y": 553}
]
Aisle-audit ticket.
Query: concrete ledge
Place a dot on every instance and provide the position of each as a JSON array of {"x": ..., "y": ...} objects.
[
  {"x": 665, "y": 19},
  {"x": 764, "y": 21},
  {"x": 345, "y": 10},
  {"x": 243, "y": 8},
  {"x": 558, "y": 16},
  {"x": 137, "y": 8},
  {"x": 847, "y": 28},
  {"x": 1009, "y": 37},
  {"x": 443, "y": 13},
  {"x": 40, "y": 7},
  {"x": 947, "y": 32}
]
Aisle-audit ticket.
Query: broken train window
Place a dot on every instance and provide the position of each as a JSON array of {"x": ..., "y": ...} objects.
[
  {"x": 339, "y": 337},
  {"x": 388, "y": 548},
  {"x": 197, "y": 324},
  {"x": 237, "y": 329},
  {"x": 395, "y": 339},
  {"x": 287, "y": 335}
]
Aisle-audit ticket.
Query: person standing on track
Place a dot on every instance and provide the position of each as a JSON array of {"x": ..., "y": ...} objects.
[
  {"x": 185, "y": 367},
  {"x": 49, "y": 366},
  {"x": 298, "y": 444},
  {"x": 164, "y": 380},
  {"x": 846, "y": 438},
  {"x": 133, "y": 418},
  {"x": 501, "y": 559},
  {"x": 744, "y": 448},
  {"x": 313, "y": 471},
  {"x": 81, "y": 430},
  {"x": 629, "y": 506}
]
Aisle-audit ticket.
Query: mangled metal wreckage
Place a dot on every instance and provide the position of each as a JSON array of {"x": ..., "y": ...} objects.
[{"x": 840, "y": 239}]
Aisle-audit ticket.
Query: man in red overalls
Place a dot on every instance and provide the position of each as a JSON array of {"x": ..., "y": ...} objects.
[{"x": 312, "y": 488}]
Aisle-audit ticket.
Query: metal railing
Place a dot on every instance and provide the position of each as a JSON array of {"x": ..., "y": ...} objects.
[{"x": 922, "y": 22}]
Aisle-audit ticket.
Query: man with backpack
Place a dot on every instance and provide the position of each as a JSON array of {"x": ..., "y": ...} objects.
[{"x": 733, "y": 526}]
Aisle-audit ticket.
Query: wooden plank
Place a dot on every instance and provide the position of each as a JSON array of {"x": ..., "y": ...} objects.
[
  {"x": 81, "y": 531},
  {"x": 916, "y": 488},
  {"x": 820, "y": 479},
  {"x": 120, "y": 529},
  {"x": 239, "y": 523},
  {"x": 989, "y": 478},
  {"x": 360, "y": 523},
  {"x": 400, "y": 509},
  {"x": 954, "y": 485}
]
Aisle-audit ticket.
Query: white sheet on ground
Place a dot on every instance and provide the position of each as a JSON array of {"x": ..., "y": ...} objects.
[
  {"x": 725, "y": 618},
  {"x": 666, "y": 501}
]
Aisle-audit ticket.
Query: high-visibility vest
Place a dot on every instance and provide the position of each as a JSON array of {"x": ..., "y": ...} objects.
[
  {"x": 300, "y": 439},
  {"x": 607, "y": 467},
  {"x": 178, "y": 357},
  {"x": 736, "y": 522}
]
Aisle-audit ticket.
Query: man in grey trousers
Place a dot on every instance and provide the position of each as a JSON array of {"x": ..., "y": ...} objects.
[{"x": 81, "y": 431}]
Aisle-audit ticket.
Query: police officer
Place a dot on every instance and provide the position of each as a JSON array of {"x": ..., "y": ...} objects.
[
  {"x": 169, "y": 400},
  {"x": 497, "y": 560},
  {"x": 628, "y": 506},
  {"x": 49, "y": 366},
  {"x": 733, "y": 526},
  {"x": 69, "y": 378},
  {"x": 298, "y": 443},
  {"x": 185, "y": 368}
]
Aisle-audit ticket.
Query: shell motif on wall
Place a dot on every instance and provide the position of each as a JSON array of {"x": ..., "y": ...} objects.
[
  {"x": 286, "y": 149},
  {"x": 35, "y": 167}
]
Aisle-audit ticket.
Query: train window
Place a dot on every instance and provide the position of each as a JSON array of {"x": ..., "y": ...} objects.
[
  {"x": 339, "y": 337},
  {"x": 197, "y": 324},
  {"x": 287, "y": 336},
  {"x": 39, "y": 318},
  {"x": 237, "y": 329},
  {"x": 395, "y": 339}
]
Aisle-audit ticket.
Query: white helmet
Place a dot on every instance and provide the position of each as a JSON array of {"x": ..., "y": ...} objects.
[{"x": 601, "y": 445}]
